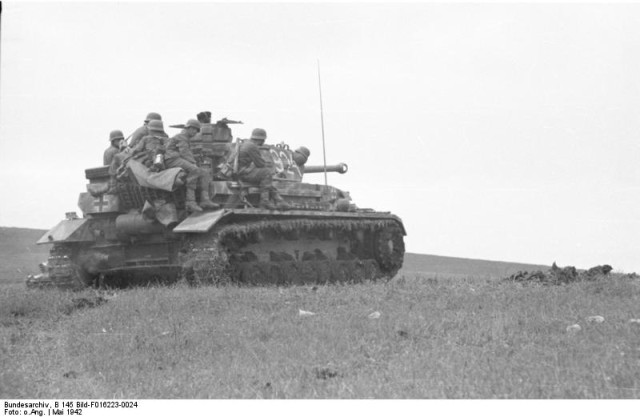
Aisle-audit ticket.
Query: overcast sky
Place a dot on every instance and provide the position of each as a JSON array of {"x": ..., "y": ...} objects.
[{"x": 495, "y": 131}]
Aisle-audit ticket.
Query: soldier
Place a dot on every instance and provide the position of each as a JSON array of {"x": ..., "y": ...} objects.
[
  {"x": 115, "y": 137},
  {"x": 142, "y": 131},
  {"x": 300, "y": 157},
  {"x": 150, "y": 145},
  {"x": 253, "y": 169},
  {"x": 212, "y": 144},
  {"x": 178, "y": 154}
]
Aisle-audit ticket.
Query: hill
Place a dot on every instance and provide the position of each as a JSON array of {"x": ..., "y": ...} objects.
[
  {"x": 19, "y": 256},
  {"x": 462, "y": 267}
]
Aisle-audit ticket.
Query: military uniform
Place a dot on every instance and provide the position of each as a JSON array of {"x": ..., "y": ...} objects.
[
  {"x": 143, "y": 130},
  {"x": 137, "y": 136},
  {"x": 253, "y": 169},
  {"x": 148, "y": 147},
  {"x": 109, "y": 153},
  {"x": 115, "y": 137},
  {"x": 178, "y": 154}
]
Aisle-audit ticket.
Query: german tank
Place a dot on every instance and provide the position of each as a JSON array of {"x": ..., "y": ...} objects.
[{"x": 135, "y": 229}]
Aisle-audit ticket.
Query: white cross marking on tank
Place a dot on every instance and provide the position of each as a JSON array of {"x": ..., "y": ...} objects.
[{"x": 101, "y": 203}]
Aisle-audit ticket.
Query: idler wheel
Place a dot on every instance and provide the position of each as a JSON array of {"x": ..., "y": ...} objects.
[{"x": 389, "y": 249}]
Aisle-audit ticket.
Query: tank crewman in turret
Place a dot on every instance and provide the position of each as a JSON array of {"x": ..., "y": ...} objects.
[
  {"x": 253, "y": 169},
  {"x": 152, "y": 144},
  {"x": 212, "y": 144},
  {"x": 178, "y": 154},
  {"x": 115, "y": 137},
  {"x": 143, "y": 131},
  {"x": 196, "y": 143}
]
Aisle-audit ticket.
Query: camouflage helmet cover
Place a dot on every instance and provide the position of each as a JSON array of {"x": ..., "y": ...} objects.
[
  {"x": 153, "y": 116},
  {"x": 156, "y": 126},
  {"x": 259, "y": 134},
  {"x": 116, "y": 135}
]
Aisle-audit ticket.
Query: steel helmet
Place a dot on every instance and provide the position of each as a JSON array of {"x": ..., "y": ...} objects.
[
  {"x": 156, "y": 126},
  {"x": 115, "y": 135},
  {"x": 259, "y": 134},
  {"x": 304, "y": 151},
  {"x": 192, "y": 123},
  {"x": 301, "y": 155},
  {"x": 153, "y": 116}
]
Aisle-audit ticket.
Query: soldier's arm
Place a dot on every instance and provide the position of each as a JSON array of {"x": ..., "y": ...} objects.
[
  {"x": 183, "y": 148},
  {"x": 256, "y": 157},
  {"x": 170, "y": 148},
  {"x": 139, "y": 147},
  {"x": 185, "y": 151},
  {"x": 105, "y": 157},
  {"x": 135, "y": 137}
]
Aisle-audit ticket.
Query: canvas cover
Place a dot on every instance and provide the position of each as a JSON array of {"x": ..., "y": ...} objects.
[{"x": 163, "y": 180}]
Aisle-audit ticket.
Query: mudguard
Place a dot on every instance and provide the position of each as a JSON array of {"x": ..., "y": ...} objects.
[
  {"x": 200, "y": 222},
  {"x": 73, "y": 230}
]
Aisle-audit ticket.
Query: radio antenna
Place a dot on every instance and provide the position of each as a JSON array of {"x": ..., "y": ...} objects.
[{"x": 324, "y": 154}]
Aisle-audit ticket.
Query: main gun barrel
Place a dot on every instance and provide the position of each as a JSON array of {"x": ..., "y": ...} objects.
[{"x": 340, "y": 168}]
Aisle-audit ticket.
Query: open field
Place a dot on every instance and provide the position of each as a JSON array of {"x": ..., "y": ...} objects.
[
  {"x": 443, "y": 328},
  {"x": 434, "y": 338}
]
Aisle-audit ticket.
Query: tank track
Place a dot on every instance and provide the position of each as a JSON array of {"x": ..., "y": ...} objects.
[
  {"x": 63, "y": 272},
  {"x": 366, "y": 249}
]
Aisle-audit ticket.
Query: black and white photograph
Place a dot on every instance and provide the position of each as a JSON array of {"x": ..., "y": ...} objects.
[{"x": 318, "y": 201}]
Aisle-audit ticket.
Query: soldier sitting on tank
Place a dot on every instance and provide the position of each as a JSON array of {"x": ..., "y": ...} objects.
[
  {"x": 115, "y": 137},
  {"x": 151, "y": 145},
  {"x": 253, "y": 169},
  {"x": 143, "y": 130},
  {"x": 178, "y": 154}
]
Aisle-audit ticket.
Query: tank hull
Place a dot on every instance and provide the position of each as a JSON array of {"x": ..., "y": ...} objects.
[{"x": 245, "y": 246}]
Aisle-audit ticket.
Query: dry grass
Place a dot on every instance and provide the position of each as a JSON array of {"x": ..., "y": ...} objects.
[{"x": 435, "y": 338}]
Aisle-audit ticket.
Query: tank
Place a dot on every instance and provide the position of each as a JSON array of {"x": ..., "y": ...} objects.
[{"x": 134, "y": 228}]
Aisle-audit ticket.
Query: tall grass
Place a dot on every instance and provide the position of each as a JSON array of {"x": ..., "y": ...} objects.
[{"x": 436, "y": 337}]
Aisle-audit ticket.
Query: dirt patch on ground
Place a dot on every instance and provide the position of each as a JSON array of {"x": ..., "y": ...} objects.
[
  {"x": 565, "y": 275},
  {"x": 84, "y": 302}
]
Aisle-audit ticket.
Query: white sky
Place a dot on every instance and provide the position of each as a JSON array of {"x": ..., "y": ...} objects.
[{"x": 495, "y": 131}]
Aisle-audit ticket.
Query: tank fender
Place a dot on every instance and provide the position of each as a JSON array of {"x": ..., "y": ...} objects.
[
  {"x": 70, "y": 230},
  {"x": 201, "y": 222}
]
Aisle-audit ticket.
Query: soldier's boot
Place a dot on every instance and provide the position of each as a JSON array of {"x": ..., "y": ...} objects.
[
  {"x": 206, "y": 203},
  {"x": 281, "y": 204},
  {"x": 191, "y": 201},
  {"x": 265, "y": 203}
]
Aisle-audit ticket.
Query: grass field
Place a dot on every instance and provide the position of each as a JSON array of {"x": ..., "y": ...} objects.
[
  {"x": 443, "y": 328},
  {"x": 434, "y": 337}
]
